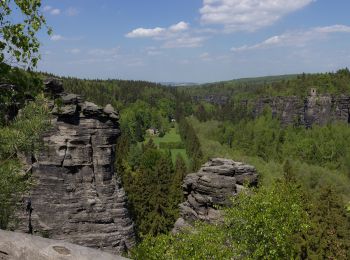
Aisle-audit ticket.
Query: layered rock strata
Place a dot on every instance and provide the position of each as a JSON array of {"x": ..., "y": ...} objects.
[
  {"x": 76, "y": 196},
  {"x": 213, "y": 185},
  {"x": 314, "y": 109}
]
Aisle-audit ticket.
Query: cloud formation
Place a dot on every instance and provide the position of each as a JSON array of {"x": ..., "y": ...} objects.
[
  {"x": 296, "y": 38},
  {"x": 247, "y": 15},
  {"x": 142, "y": 32},
  {"x": 175, "y": 36},
  {"x": 56, "y": 37},
  {"x": 71, "y": 11},
  {"x": 73, "y": 51},
  {"x": 157, "y": 31},
  {"x": 53, "y": 11},
  {"x": 184, "y": 42}
]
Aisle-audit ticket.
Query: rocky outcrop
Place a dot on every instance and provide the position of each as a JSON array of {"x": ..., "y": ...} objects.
[
  {"x": 17, "y": 246},
  {"x": 314, "y": 109},
  {"x": 76, "y": 196},
  {"x": 292, "y": 110},
  {"x": 212, "y": 186}
]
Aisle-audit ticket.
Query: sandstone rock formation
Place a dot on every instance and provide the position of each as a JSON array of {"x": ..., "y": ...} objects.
[
  {"x": 292, "y": 110},
  {"x": 314, "y": 109},
  {"x": 211, "y": 186},
  {"x": 17, "y": 246},
  {"x": 76, "y": 196}
]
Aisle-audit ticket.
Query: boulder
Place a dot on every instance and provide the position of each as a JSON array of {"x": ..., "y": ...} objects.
[
  {"x": 212, "y": 186},
  {"x": 18, "y": 246},
  {"x": 53, "y": 86}
]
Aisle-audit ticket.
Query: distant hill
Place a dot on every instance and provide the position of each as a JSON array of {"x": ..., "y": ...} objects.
[{"x": 281, "y": 85}]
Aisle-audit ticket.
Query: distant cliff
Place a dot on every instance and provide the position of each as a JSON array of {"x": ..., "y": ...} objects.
[
  {"x": 291, "y": 110},
  {"x": 314, "y": 109},
  {"x": 76, "y": 196}
]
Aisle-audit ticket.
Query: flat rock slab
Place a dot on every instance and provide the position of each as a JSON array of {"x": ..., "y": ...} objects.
[{"x": 18, "y": 246}]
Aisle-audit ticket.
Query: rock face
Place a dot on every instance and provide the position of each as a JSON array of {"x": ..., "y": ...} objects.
[
  {"x": 17, "y": 246},
  {"x": 76, "y": 196},
  {"x": 212, "y": 186},
  {"x": 314, "y": 109},
  {"x": 293, "y": 110}
]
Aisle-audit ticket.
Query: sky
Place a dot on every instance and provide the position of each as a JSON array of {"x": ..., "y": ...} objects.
[{"x": 194, "y": 40}]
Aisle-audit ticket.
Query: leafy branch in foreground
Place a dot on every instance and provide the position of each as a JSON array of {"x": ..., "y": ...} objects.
[
  {"x": 18, "y": 39},
  {"x": 20, "y": 137}
]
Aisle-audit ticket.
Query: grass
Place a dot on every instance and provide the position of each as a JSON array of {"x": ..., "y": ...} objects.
[
  {"x": 172, "y": 136},
  {"x": 169, "y": 137}
]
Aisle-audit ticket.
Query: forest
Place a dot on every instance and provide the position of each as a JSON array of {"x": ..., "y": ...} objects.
[
  {"x": 299, "y": 210},
  {"x": 299, "y": 166}
]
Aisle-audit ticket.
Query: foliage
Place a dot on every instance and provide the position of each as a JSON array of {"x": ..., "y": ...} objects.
[
  {"x": 20, "y": 137},
  {"x": 329, "y": 234},
  {"x": 206, "y": 242},
  {"x": 265, "y": 138},
  {"x": 18, "y": 40},
  {"x": 261, "y": 225},
  {"x": 287, "y": 85},
  {"x": 192, "y": 144},
  {"x": 153, "y": 187},
  {"x": 17, "y": 86}
]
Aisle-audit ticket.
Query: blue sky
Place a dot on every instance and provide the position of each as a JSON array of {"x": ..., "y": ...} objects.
[{"x": 194, "y": 40}]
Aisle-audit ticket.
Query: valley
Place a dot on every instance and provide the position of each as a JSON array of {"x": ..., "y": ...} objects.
[{"x": 109, "y": 149}]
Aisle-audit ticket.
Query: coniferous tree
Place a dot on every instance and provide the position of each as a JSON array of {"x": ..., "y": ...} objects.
[
  {"x": 329, "y": 233},
  {"x": 176, "y": 190}
]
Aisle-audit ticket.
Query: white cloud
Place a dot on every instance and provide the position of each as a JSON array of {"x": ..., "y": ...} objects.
[
  {"x": 142, "y": 32},
  {"x": 154, "y": 53},
  {"x": 74, "y": 51},
  {"x": 247, "y": 15},
  {"x": 56, "y": 37},
  {"x": 53, "y": 11},
  {"x": 175, "y": 36},
  {"x": 158, "y": 31},
  {"x": 181, "y": 26},
  {"x": 111, "y": 52},
  {"x": 71, "y": 11},
  {"x": 184, "y": 42},
  {"x": 296, "y": 38},
  {"x": 205, "y": 56},
  {"x": 47, "y": 8},
  {"x": 333, "y": 29}
]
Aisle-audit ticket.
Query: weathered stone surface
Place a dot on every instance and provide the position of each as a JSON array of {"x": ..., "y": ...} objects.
[
  {"x": 211, "y": 186},
  {"x": 314, "y": 109},
  {"x": 17, "y": 246},
  {"x": 77, "y": 196},
  {"x": 53, "y": 86}
]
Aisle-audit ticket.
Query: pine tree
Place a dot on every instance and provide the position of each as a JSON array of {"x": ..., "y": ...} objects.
[
  {"x": 329, "y": 234},
  {"x": 176, "y": 189}
]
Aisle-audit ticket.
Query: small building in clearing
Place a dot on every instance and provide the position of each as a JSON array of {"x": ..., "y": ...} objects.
[{"x": 152, "y": 131}]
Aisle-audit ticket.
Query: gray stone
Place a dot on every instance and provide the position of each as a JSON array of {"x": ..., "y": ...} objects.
[
  {"x": 17, "y": 246},
  {"x": 314, "y": 109},
  {"x": 71, "y": 99},
  {"x": 53, "y": 86},
  {"x": 77, "y": 196},
  {"x": 109, "y": 110},
  {"x": 212, "y": 186},
  {"x": 90, "y": 108},
  {"x": 67, "y": 110}
]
